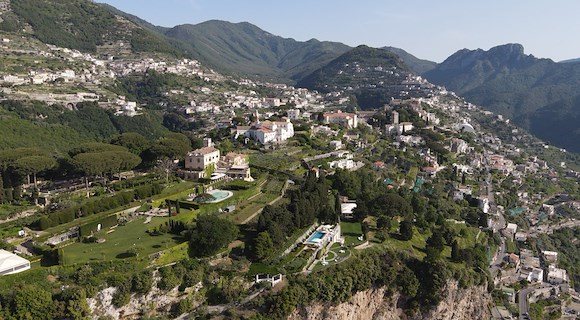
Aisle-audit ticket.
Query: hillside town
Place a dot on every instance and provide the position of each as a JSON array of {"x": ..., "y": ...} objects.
[{"x": 459, "y": 171}]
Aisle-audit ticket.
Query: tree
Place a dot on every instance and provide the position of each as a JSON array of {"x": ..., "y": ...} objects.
[
  {"x": 32, "y": 302},
  {"x": 1, "y": 189},
  {"x": 436, "y": 240},
  {"x": 384, "y": 223},
  {"x": 406, "y": 230},
  {"x": 264, "y": 246},
  {"x": 455, "y": 252},
  {"x": 211, "y": 234},
  {"x": 133, "y": 141},
  {"x": 33, "y": 165},
  {"x": 407, "y": 282},
  {"x": 142, "y": 282}
]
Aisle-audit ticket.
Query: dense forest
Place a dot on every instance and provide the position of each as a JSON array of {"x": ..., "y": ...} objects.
[{"x": 81, "y": 25}]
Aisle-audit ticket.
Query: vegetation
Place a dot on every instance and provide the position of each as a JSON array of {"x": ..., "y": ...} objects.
[
  {"x": 538, "y": 93},
  {"x": 82, "y": 25},
  {"x": 218, "y": 44}
]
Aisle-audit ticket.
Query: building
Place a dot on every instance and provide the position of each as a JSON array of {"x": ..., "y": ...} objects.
[
  {"x": 510, "y": 230},
  {"x": 11, "y": 263},
  {"x": 347, "y": 120},
  {"x": 267, "y": 132},
  {"x": 550, "y": 256},
  {"x": 324, "y": 235},
  {"x": 336, "y": 144},
  {"x": 535, "y": 275},
  {"x": 235, "y": 166},
  {"x": 458, "y": 146},
  {"x": 514, "y": 260},
  {"x": 556, "y": 275},
  {"x": 347, "y": 210},
  {"x": 294, "y": 114},
  {"x": 207, "y": 160},
  {"x": 202, "y": 158}
]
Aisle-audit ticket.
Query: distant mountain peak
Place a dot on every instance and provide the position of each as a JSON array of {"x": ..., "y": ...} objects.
[{"x": 520, "y": 86}]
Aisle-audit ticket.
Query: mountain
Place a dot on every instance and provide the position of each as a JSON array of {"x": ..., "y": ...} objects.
[
  {"x": 519, "y": 86},
  {"x": 373, "y": 76},
  {"x": 81, "y": 25},
  {"x": 246, "y": 49},
  {"x": 571, "y": 60},
  {"x": 418, "y": 66}
]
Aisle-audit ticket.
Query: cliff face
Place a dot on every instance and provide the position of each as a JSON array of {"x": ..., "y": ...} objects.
[{"x": 456, "y": 304}]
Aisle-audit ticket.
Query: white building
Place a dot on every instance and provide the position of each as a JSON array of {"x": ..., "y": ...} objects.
[
  {"x": 536, "y": 275},
  {"x": 294, "y": 114},
  {"x": 347, "y": 120},
  {"x": 556, "y": 275},
  {"x": 510, "y": 230},
  {"x": 201, "y": 158},
  {"x": 11, "y": 263},
  {"x": 342, "y": 164},
  {"x": 268, "y": 131},
  {"x": 336, "y": 144},
  {"x": 550, "y": 256}
]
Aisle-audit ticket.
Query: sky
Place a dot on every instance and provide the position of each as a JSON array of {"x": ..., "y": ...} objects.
[{"x": 428, "y": 29}]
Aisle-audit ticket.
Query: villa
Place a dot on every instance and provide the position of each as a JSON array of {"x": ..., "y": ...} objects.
[
  {"x": 347, "y": 120},
  {"x": 207, "y": 161},
  {"x": 267, "y": 132},
  {"x": 324, "y": 235}
]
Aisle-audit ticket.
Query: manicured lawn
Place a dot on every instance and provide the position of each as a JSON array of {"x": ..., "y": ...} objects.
[
  {"x": 131, "y": 235},
  {"x": 258, "y": 267},
  {"x": 350, "y": 232}
]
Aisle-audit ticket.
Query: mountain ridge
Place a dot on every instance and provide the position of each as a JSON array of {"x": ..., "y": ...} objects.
[{"x": 505, "y": 80}]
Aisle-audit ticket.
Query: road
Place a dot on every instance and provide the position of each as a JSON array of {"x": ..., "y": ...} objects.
[
  {"x": 497, "y": 224},
  {"x": 523, "y": 304}
]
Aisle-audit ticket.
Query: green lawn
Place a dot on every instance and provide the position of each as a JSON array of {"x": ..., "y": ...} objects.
[
  {"x": 131, "y": 235},
  {"x": 350, "y": 232},
  {"x": 415, "y": 246},
  {"x": 173, "y": 254}
]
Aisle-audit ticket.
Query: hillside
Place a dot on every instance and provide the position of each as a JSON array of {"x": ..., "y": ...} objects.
[
  {"x": 418, "y": 66},
  {"x": 246, "y": 49},
  {"x": 373, "y": 76},
  {"x": 81, "y": 25},
  {"x": 509, "y": 82}
]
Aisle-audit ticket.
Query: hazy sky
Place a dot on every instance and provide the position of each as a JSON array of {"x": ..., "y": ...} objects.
[{"x": 428, "y": 29}]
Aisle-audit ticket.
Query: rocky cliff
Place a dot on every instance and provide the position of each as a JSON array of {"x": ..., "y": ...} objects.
[{"x": 456, "y": 304}]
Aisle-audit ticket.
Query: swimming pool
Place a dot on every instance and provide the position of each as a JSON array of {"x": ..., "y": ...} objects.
[
  {"x": 217, "y": 196},
  {"x": 316, "y": 237}
]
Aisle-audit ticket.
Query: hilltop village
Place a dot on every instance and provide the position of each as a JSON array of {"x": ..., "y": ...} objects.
[{"x": 251, "y": 189}]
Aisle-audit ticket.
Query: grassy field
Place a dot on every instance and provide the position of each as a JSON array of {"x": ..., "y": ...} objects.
[
  {"x": 123, "y": 238},
  {"x": 173, "y": 254},
  {"x": 415, "y": 246},
  {"x": 350, "y": 232}
]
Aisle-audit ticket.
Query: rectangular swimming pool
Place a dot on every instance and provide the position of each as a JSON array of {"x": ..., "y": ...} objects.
[{"x": 316, "y": 237}]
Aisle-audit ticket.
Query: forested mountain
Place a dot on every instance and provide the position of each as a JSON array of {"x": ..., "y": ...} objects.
[
  {"x": 246, "y": 49},
  {"x": 81, "y": 25},
  {"x": 418, "y": 66},
  {"x": 519, "y": 86},
  {"x": 373, "y": 76}
]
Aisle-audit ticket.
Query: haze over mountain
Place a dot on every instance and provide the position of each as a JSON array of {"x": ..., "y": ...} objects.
[{"x": 519, "y": 86}]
